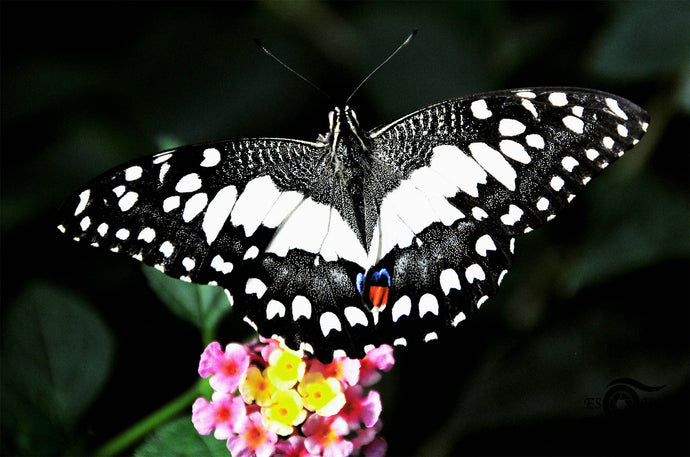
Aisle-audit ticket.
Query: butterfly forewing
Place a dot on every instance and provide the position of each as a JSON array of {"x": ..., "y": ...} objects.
[{"x": 338, "y": 247}]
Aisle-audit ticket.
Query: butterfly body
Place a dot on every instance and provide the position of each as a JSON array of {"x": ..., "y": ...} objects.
[{"x": 395, "y": 234}]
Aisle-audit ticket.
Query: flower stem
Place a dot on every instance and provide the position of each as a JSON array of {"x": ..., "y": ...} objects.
[{"x": 126, "y": 439}]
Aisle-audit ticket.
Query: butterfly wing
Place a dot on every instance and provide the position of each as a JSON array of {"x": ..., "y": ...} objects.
[
  {"x": 472, "y": 174},
  {"x": 244, "y": 215}
]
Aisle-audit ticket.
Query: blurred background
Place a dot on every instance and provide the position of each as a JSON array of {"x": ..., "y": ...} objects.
[{"x": 600, "y": 293}]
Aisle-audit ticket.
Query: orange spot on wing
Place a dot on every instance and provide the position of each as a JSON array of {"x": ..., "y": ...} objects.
[{"x": 378, "y": 296}]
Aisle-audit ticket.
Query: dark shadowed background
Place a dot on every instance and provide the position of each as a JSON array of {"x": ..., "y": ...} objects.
[{"x": 599, "y": 294}]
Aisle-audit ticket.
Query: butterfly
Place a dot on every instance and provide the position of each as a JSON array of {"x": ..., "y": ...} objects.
[{"x": 392, "y": 235}]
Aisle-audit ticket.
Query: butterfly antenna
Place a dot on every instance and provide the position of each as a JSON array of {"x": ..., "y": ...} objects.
[
  {"x": 405, "y": 43},
  {"x": 290, "y": 69}
]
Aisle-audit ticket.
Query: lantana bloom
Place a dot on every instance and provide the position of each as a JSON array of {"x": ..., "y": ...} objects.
[
  {"x": 226, "y": 367},
  {"x": 252, "y": 438},
  {"x": 320, "y": 394},
  {"x": 257, "y": 387},
  {"x": 222, "y": 414},
  {"x": 269, "y": 400},
  {"x": 325, "y": 435},
  {"x": 286, "y": 410},
  {"x": 285, "y": 368}
]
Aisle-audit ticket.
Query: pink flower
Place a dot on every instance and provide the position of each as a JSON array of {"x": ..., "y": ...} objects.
[
  {"x": 325, "y": 435},
  {"x": 380, "y": 358},
  {"x": 359, "y": 408},
  {"x": 222, "y": 413},
  {"x": 253, "y": 439},
  {"x": 343, "y": 368},
  {"x": 292, "y": 447},
  {"x": 227, "y": 368}
]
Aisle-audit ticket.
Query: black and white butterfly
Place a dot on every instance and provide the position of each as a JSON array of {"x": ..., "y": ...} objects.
[{"x": 362, "y": 237}]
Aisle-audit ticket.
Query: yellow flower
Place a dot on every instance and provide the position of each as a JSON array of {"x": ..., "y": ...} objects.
[
  {"x": 256, "y": 387},
  {"x": 286, "y": 368},
  {"x": 323, "y": 395},
  {"x": 285, "y": 411}
]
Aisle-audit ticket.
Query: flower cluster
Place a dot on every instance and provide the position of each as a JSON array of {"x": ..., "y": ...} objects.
[{"x": 269, "y": 400}]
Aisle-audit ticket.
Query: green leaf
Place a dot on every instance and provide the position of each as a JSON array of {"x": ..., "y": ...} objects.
[
  {"x": 203, "y": 306},
  {"x": 644, "y": 39},
  {"x": 56, "y": 356},
  {"x": 179, "y": 438}
]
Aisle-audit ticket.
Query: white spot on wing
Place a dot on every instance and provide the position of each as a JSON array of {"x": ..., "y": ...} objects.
[
  {"x": 147, "y": 234},
  {"x": 615, "y": 109},
  {"x": 255, "y": 286},
  {"x": 273, "y": 308},
  {"x": 355, "y": 316},
  {"x": 194, "y": 206},
  {"x": 458, "y": 169},
  {"x": 102, "y": 229},
  {"x": 622, "y": 130},
  {"x": 526, "y": 94},
  {"x": 592, "y": 154},
  {"x": 608, "y": 142},
  {"x": 219, "y": 264},
  {"x": 163, "y": 171},
  {"x": 430, "y": 337},
  {"x": 301, "y": 307},
  {"x": 119, "y": 191},
  {"x": 85, "y": 223},
  {"x": 480, "y": 110},
  {"x": 428, "y": 304},
  {"x": 133, "y": 173},
  {"x": 473, "y": 272},
  {"x": 494, "y": 162},
  {"x": 251, "y": 253},
  {"x": 514, "y": 150},
  {"x": 514, "y": 214},
  {"x": 211, "y": 157},
  {"x": 510, "y": 127},
  {"x": 218, "y": 211},
  {"x": 543, "y": 204},
  {"x": 188, "y": 263},
  {"x": 534, "y": 140},
  {"x": 128, "y": 200},
  {"x": 484, "y": 243},
  {"x": 161, "y": 157},
  {"x": 255, "y": 202},
  {"x": 328, "y": 322},
  {"x": 449, "y": 280},
  {"x": 188, "y": 183},
  {"x": 574, "y": 123},
  {"x": 401, "y": 307},
  {"x": 529, "y": 106},
  {"x": 171, "y": 203},
  {"x": 479, "y": 213},
  {"x": 400, "y": 342},
  {"x": 167, "y": 248},
  {"x": 569, "y": 163},
  {"x": 556, "y": 183},
  {"x": 122, "y": 234},
  {"x": 83, "y": 200},
  {"x": 458, "y": 318},
  {"x": 558, "y": 99}
]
